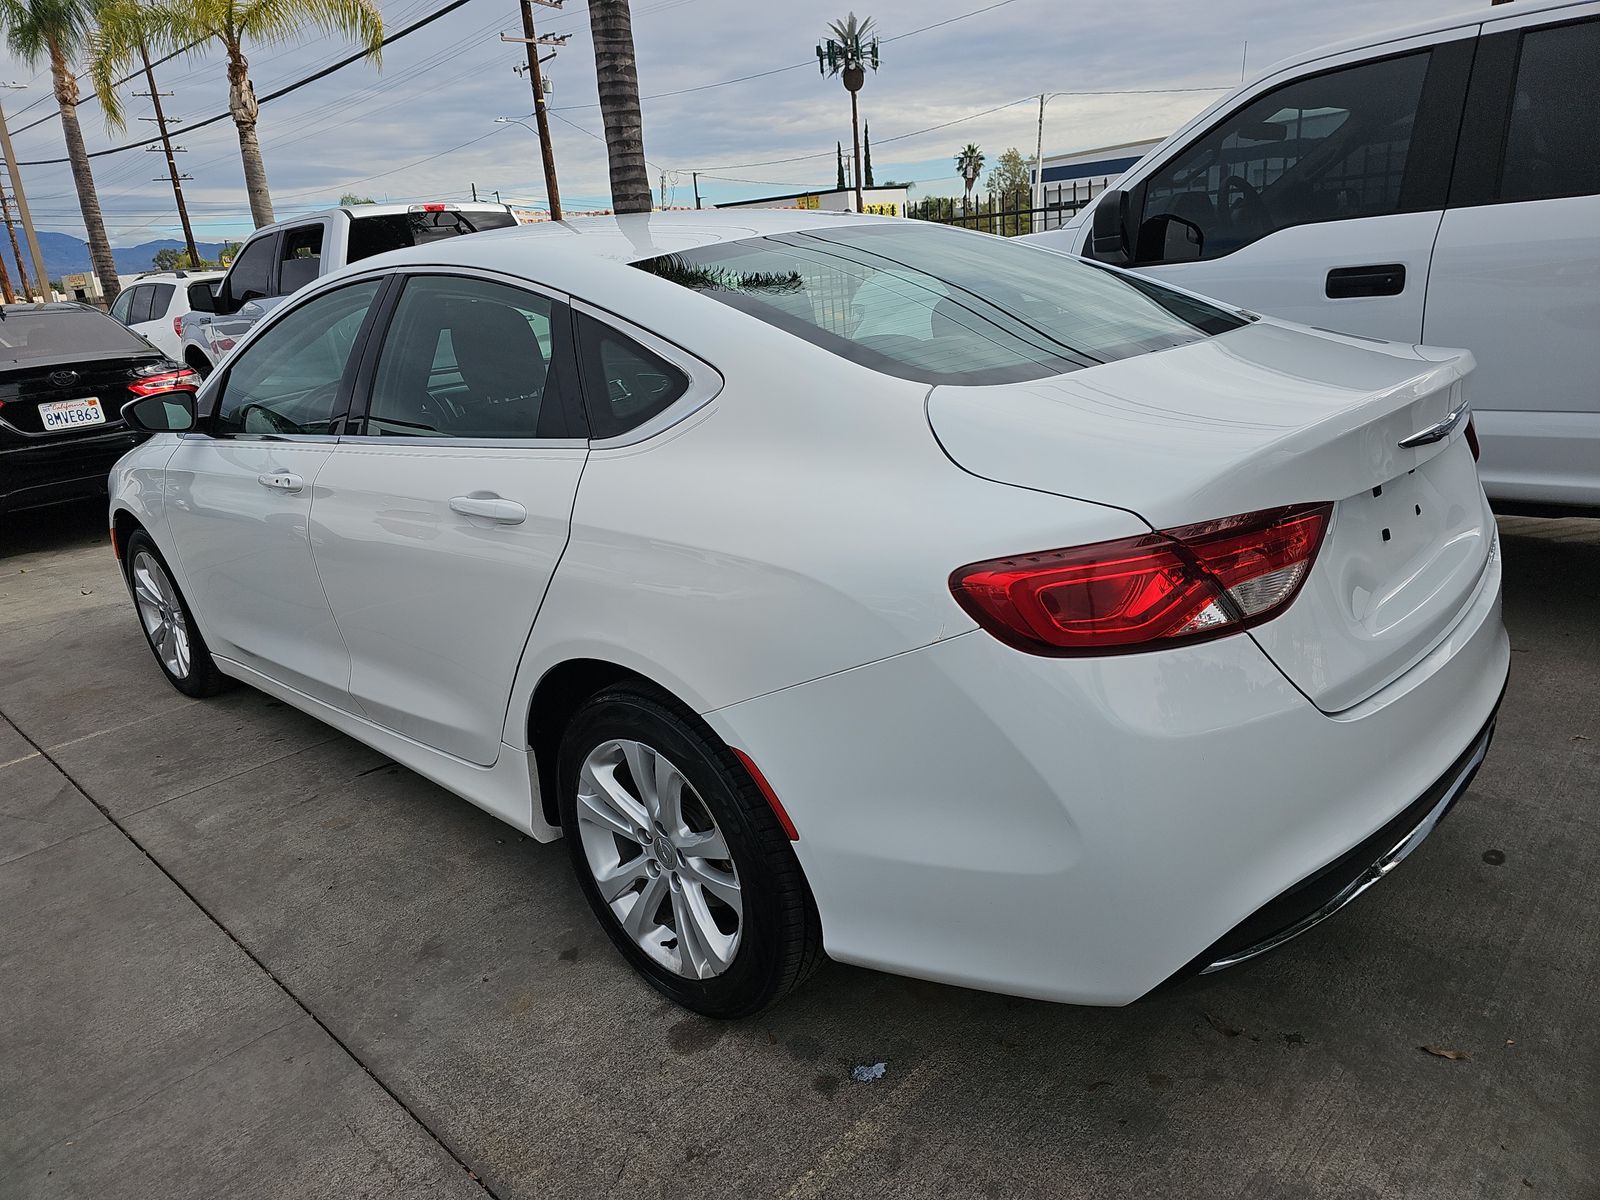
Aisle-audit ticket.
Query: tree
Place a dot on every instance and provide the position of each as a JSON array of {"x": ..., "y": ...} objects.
[
  {"x": 233, "y": 22},
  {"x": 969, "y": 165},
  {"x": 838, "y": 148},
  {"x": 617, "y": 73},
  {"x": 229, "y": 252},
  {"x": 170, "y": 259},
  {"x": 866, "y": 152},
  {"x": 350, "y": 198},
  {"x": 1011, "y": 181},
  {"x": 847, "y": 53},
  {"x": 58, "y": 31}
]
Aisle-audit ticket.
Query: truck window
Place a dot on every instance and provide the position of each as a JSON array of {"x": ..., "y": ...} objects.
[
  {"x": 251, "y": 277},
  {"x": 300, "y": 260},
  {"x": 1327, "y": 148},
  {"x": 1550, "y": 143},
  {"x": 397, "y": 231}
]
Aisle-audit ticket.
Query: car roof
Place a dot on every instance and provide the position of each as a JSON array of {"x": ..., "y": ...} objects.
[
  {"x": 378, "y": 210},
  {"x": 1475, "y": 15}
]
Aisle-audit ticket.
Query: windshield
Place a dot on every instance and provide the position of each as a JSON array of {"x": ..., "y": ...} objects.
[
  {"x": 64, "y": 333},
  {"x": 942, "y": 306},
  {"x": 398, "y": 231}
]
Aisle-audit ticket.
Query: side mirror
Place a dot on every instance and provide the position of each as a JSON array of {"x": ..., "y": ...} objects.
[
  {"x": 161, "y": 412},
  {"x": 201, "y": 297},
  {"x": 1108, "y": 240}
]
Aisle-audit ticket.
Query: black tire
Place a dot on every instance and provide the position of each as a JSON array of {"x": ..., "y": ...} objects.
[
  {"x": 202, "y": 677},
  {"x": 780, "y": 938}
]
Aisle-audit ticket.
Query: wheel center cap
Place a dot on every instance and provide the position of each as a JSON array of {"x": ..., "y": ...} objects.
[{"x": 665, "y": 854}]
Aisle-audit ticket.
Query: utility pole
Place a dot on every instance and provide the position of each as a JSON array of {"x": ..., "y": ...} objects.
[
  {"x": 160, "y": 119},
  {"x": 696, "y": 176},
  {"x": 22, "y": 205},
  {"x": 533, "y": 41},
  {"x": 16, "y": 250}
]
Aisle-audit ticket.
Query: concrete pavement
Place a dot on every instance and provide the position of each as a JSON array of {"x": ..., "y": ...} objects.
[{"x": 241, "y": 955}]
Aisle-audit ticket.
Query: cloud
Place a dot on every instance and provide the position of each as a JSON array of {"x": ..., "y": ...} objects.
[{"x": 424, "y": 125}]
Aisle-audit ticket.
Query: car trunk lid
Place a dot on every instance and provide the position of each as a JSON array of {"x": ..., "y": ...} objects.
[
  {"x": 24, "y": 387},
  {"x": 1260, "y": 418}
]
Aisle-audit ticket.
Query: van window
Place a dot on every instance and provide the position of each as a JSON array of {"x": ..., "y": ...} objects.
[
  {"x": 1555, "y": 126},
  {"x": 1327, "y": 148}
]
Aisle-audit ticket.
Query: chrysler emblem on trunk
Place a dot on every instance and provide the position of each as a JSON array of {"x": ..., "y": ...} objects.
[{"x": 63, "y": 378}]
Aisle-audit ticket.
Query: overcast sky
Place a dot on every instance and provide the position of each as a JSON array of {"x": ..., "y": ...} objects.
[{"x": 424, "y": 126}]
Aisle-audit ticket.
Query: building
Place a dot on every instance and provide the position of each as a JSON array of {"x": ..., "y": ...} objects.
[
  {"x": 884, "y": 201},
  {"x": 1072, "y": 180}
]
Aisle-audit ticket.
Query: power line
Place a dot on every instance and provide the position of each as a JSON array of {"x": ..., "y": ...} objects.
[
  {"x": 283, "y": 91},
  {"x": 95, "y": 95}
]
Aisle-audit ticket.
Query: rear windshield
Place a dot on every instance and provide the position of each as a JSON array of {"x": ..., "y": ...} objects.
[
  {"x": 64, "y": 333},
  {"x": 939, "y": 305},
  {"x": 397, "y": 231}
]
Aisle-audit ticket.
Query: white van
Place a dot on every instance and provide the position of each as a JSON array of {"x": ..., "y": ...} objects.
[{"x": 1440, "y": 184}]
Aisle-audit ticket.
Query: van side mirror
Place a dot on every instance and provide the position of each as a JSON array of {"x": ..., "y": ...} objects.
[
  {"x": 201, "y": 297},
  {"x": 1108, "y": 239},
  {"x": 161, "y": 412}
]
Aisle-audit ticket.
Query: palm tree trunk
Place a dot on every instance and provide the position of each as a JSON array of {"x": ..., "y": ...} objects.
[
  {"x": 66, "y": 89},
  {"x": 611, "y": 26},
  {"x": 242, "y": 105},
  {"x": 855, "y": 132}
]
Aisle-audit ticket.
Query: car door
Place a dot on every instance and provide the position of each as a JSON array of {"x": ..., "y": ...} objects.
[
  {"x": 148, "y": 316},
  {"x": 239, "y": 494},
  {"x": 1516, "y": 272},
  {"x": 1318, "y": 197},
  {"x": 440, "y": 518}
]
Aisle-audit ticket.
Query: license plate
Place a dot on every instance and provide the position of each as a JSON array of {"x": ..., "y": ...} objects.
[{"x": 71, "y": 414}]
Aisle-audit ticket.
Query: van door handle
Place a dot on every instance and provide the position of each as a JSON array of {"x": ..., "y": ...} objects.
[
  {"x": 1383, "y": 279},
  {"x": 282, "y": 481},
  {"x": 490, "y": 507}
]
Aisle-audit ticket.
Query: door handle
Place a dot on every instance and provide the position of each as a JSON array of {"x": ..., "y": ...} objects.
[
  {"x": 282, "y": 481},
  {"x": 1382, "y": 279},
  {"x": 490, "y": 507}
]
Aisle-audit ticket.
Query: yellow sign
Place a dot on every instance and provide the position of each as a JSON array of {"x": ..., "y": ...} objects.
[
  {"x": 881, "y": 210},
  {"x": 807, "y": 202}
]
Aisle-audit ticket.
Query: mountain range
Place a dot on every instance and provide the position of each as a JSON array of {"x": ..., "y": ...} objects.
[{"x": 64, "y": 253}]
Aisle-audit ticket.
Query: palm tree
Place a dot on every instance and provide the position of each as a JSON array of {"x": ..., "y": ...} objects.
[
  {"x": 969, "y": 165},
  {"x": 232, "y": 22},
  {"x": 59, "y": 31},
  {"x": 847, "y": 53},
  {"x": 617, "y": 73}
]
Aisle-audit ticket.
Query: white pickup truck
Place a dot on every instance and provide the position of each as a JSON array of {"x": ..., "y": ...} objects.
[{"x": 279, "y": 259}]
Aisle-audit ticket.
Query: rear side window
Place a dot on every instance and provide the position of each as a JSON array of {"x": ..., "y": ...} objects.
[
  {"x": 139, "y": 310},
  {"x": 1553, "y": 141},
  {"x": 161, "y": 299},
  {"x": 300, "y": 260},
  {"x": 625, "y": 383},
  {"x": 1327, "y": 148},
  {"x": 942, "y": 306},
  {"x": 397, "y": 231}
]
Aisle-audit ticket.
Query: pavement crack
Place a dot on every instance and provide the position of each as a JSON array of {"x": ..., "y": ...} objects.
[{"x": 282, "y": 986}]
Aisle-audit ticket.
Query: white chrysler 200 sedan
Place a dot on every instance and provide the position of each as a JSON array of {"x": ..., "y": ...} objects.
[{"x": 948, "y": 605}]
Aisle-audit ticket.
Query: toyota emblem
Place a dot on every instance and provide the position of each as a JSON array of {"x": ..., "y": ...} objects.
[{"x": 63, "y": 379}]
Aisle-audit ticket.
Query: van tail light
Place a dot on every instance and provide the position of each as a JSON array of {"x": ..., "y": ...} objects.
[
  {"x": 183, "y": 380},
  {"x": 1147, "y": 592},
  {"x": 1472, "y": 439},
  {"x": 177, "y": 324}
]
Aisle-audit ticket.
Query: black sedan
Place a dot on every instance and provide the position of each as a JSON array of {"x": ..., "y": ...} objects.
[{"x": 66, "y": 370}]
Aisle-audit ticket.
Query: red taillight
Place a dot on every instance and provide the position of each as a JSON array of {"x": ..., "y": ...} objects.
[
  {"x": 177, "y": 324},
  {"x": 168, "y": 381},
  {"x": 1141, "y": 593},
  {"x": 1472, "y": 439}
]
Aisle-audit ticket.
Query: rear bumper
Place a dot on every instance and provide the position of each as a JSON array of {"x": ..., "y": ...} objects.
[
  {"x": 1316, "y": 898},
  {"x": 1084, "y": 829},
  {"x": 44, "y": 472}
]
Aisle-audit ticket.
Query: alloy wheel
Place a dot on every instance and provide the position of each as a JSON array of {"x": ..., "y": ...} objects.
[
  {"x": 659, "y": 859},
  {"x": 162, "y": 615}
]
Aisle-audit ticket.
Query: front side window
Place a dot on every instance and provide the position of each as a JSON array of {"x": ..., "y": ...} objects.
[
  {"x": 1327, "y": 148},
  {"x": 287, "y": 380},
  {"x": 938, "y": 305},
  {"x": 1553, "y": 142},
  {"x": 300, "y": 260},
  {"x": 469, "y": 358},
  {"x": 251, "y": 277}
]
